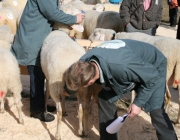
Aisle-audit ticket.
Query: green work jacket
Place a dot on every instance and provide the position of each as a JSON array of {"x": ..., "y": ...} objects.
[
  {"x": 128, "y": 64},
  {"x": 35, "y": 24}
]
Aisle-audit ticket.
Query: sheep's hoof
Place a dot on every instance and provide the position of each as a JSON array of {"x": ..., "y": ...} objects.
[
  {"x": 80, "y": 132},
  {"x": 21, "y": 122},
  {"x": 2, "y": 111},
  {"x": 57, "y": 138}
]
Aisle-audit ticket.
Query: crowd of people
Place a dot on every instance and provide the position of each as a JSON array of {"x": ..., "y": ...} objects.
[{"x": 131, "y": 65}]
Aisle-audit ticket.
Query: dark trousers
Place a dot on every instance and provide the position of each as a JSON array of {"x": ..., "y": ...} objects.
[
  {"x": 151, "y": 31},
  {"x": 108, "y": 113},
  {"x": 37, "y": 99},
  {"x": 178, "y": 30},
  {"x": 173, "y": 16}
]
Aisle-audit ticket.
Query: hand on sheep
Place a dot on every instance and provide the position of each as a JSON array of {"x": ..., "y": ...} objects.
[{"x": 79, "y": 18}]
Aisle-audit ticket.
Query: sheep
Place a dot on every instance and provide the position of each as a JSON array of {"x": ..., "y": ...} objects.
[
  {"x": 170, "y": 48},
  {"x": 8, "y": 16},
  {"x": 106, "y": 20},
  {"x": 17, "y": 5},
  {"x": 9, "y": 69},
  {"x": 100, "y": 34},
  {"x": 82, "y": 6},
  {"x": 58, "y": 52},
  {"x": 79, "y": 5}
]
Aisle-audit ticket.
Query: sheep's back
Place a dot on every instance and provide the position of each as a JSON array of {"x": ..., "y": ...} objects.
[{"x": 58, "y": 53}]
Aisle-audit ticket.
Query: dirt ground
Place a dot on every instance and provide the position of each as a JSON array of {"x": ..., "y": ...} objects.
[{"x": 137, "y": 128}]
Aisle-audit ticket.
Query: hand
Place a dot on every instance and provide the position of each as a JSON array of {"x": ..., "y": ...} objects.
[
  {"x": 79, "y": 17},
  {"x": 134, "y": 110}
]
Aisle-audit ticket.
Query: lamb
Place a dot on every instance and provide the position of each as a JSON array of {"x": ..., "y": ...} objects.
[
  {"x": 8, "y": 16},
  {"x": 170, "y": 48},
  {"x": 56, "y": 48},
  {"x": 9, "y": 69}
]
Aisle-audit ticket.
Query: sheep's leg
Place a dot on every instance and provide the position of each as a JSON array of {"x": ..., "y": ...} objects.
[
  {"x": 86, "y": 114},
  {"x": 80, "y": 115},
  {"x": 167, "y": 98},
  {"x": 178, "y": 117},
  {"x": 2, "y": 95},
  {"x": 63, "y": 105},
  {"x": 47, "y": 94},
  {"x": 132, "y": 96},
  {"x": 18, "y": 106},
  {"x": 90, "y": 106},
  {"x": 59, "y": 117}
]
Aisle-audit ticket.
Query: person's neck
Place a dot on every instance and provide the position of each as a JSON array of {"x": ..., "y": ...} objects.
[{"x": 97, "y": 70}]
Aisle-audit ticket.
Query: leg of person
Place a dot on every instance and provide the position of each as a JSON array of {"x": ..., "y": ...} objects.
[
  {"x": 107, "y": 114},
  {"x": 130, "y": 28},
  {"x": 150, "y": 31},
  {"x": 159, "y": 118},
  {"x": 37, "y": 100},
  {"x": 178, "y": 30},
  {"x": 174, "y": 16}
]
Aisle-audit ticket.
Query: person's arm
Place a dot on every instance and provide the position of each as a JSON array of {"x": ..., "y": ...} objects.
[
  {"x": 125, "y": 11},
  {"x": 51, "y": 11}
]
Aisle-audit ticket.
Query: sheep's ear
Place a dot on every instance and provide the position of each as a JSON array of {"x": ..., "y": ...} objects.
[{"x": 11, "y": 38}]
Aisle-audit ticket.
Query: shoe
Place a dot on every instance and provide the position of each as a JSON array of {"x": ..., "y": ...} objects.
[
  {"x": 51, "y": 108},
  {"x": 43, "y": 116}
]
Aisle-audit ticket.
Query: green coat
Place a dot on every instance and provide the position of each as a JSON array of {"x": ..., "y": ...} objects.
[
  {"x": 131, "y": 63},
  {"x": 35, "y": 24}
]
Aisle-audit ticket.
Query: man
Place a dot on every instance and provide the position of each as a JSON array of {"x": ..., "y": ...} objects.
[
  {"x": 35, "y": 24},
  {"x": 120, "y": 66},
  {"x": 141, "y": 15}
]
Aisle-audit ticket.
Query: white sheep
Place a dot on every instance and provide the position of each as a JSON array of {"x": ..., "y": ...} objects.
[
  {"x": 100, "y": 34},
  {"x": 17, "y": 5},
  {"x": 79, "y": 5},
  {"x": 9, "y": 69},
  {"x": 170, "y": 48},
  {"x": 58, "y": 52},
  {"x": 8, "y": 16}
]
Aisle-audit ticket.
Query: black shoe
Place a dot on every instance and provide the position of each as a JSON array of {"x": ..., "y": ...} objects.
[
  {"x": 43, "y": 116},
  {"x": 51, "y": 108}
]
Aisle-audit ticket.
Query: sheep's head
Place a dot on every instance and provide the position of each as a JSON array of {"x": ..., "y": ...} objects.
[
  {"x": 101, "y": 34},
  {"x": 6, "y": 37},
  {"x": 99, "y": 7}
]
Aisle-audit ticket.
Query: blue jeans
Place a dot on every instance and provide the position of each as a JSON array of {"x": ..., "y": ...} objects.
[{"x": 37, "y": 98}]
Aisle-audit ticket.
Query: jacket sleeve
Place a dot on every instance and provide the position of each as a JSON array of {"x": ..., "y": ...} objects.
[
  {"x": 51, "y": 11},
  {"x": 125, "y": 11},
  {"x": 159, "y": 14}
]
